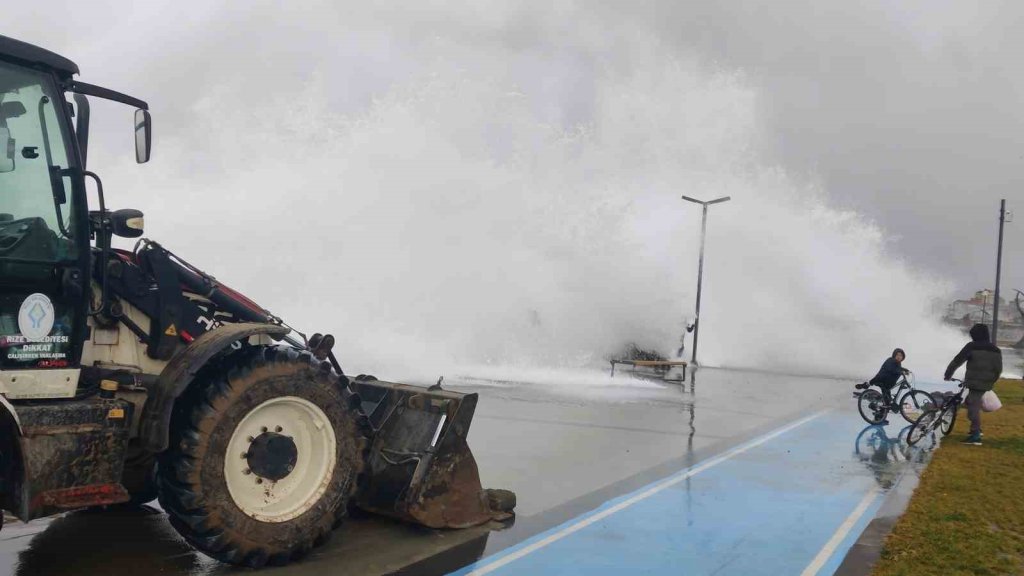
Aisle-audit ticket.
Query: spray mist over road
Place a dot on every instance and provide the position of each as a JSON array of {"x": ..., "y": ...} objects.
[{"x": 468, "y": 201}]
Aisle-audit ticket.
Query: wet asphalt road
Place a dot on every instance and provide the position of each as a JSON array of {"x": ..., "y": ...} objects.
[{"x": 564, "y": 449}]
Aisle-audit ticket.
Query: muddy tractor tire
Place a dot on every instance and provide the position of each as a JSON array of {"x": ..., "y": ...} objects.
[{"x": 264, "y": 456}]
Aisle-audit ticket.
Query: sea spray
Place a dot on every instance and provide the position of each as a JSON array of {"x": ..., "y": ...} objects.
[{"x": 460, "y": 203}]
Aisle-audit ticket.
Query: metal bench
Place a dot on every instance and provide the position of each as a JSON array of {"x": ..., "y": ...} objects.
[{"x": 661, "y": 367}]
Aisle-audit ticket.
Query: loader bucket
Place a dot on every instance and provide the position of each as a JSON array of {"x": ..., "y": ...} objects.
[{"x": 420, "y": 468}]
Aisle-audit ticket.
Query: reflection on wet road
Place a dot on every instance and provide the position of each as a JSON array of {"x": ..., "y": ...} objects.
[
  {"x": 572, "y": 451},
  {"x": 883, "y": 454},
  {"x": 90, "y": 541},
  {"x": 140, "y": 540}
]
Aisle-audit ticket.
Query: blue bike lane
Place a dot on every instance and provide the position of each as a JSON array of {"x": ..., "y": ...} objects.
[{"x": 791, "y": 501}]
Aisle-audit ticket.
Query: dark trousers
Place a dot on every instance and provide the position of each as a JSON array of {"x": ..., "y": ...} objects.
[
  {"x": 886, "y": 393},
  {"x": 974, "y": 410}
]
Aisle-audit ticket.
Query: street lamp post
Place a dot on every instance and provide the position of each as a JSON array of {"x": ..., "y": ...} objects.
[
  {"x": 700, "y": 265},
  {"x": 999, "y": 266}
]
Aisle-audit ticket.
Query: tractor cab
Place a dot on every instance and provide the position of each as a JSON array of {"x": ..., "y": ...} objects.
[
  {"x": 45, "y": 224},
  {"x": 44, "y": 237}
]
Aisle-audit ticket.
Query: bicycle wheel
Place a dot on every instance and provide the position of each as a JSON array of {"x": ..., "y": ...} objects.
[
  {"x": 919, "y": 452},
  {"x": 948, "y": 419},
  {"x": 922, "y": 428},
  {"x": 872, "y": 406},
  {"x": 914, "y": 403}
]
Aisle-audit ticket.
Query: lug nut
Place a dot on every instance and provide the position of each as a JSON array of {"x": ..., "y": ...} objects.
[
  {"x": 278, "y": 429},
  {"x": 259, "y": 480},
  {"x": 251, "y": 439},
  {"x": 263, "y": 429},
  {"x": 246, "y": 471},
  {"x": 245, "y": 455}
]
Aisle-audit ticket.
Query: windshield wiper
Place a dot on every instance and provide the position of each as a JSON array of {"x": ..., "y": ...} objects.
[{"x": 55, "y": 172}]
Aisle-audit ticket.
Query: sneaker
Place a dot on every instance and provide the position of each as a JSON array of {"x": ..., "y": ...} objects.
[
  {"x": 861, "y": 386},
  {"x": 973, "y": 440},
  {"x": 883, "y": 423}
]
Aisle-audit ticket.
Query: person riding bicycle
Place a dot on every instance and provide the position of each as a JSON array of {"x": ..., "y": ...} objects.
[
  {"x": 888, "y": 375},
  {"x": 984, "y": 366}
]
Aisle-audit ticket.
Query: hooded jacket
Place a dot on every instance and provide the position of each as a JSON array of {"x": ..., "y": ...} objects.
[
  {"x": 984, "y": 360},
  {"x": 890, "y": 371}
]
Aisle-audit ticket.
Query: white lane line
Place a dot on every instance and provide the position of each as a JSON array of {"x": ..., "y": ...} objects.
[
  {"x": 844, "y": 529},
  {"x": 668, "y": 482}
]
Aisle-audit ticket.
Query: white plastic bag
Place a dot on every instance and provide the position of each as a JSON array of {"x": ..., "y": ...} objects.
[{"x": 990, "y": 402}]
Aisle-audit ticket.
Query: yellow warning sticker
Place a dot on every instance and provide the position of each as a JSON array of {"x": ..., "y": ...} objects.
[
  {"x": 171, "y": 331},
  {"x": 115, "y": 413}
]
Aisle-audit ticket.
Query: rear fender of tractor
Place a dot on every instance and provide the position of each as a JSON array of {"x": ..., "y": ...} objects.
[{"x": 179, "y": 373}]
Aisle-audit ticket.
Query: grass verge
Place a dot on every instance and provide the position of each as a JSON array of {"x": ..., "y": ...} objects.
[{"x": 967, "y": 514}]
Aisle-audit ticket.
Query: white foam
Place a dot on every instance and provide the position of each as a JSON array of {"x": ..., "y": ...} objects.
[{"x": 463, "y": 206}]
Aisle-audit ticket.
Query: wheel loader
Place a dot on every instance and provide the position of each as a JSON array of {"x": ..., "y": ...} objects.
[{"x": 131, "y": 375}]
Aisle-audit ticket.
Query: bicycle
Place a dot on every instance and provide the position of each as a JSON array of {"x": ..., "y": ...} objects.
[
  {"x": 942, "y": 417},
  {"x": 911, "y": 404}
]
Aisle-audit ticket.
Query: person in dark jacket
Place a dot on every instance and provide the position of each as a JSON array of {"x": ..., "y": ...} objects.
[
  {"x": 891, "y": 370},
  {"x": 984, "y": 367},
  {"x": 888, "y": 375}
]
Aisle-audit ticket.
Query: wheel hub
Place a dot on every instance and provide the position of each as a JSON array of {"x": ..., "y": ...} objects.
[
  {"x": 272, "y": 456},
  {"x": 280, "y": 459}
]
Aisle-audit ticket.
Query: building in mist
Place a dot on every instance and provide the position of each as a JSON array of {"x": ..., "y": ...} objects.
[{"x": 979, "y": 310}]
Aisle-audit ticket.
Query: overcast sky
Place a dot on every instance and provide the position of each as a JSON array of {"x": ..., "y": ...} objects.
[
  {"x": 488, "y": 148},
  {"x": 911, "y": 112}
]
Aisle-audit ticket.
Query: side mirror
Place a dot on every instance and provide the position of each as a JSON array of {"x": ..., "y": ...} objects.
[
  {"x": 6, "y": 150},
  {"x": 127, "y": 223},
  {"x": 143, "y": 135}
]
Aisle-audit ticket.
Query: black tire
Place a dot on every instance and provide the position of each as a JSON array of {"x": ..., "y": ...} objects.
[
  {"x": 922, "y": 428},
  {"x": 872, "y": 406},
  {"x": 948, "y": 419},
  {"x": 192, "y": 472},
  {"x": 914, "y": 403}
]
